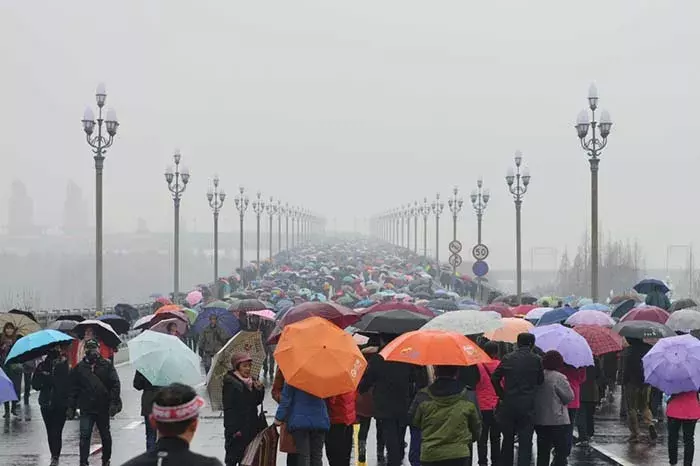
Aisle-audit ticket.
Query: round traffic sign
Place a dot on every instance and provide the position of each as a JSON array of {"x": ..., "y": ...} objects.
[
  {"x": 455, "y": 260},
  {"x": 455, "y": 247},
  {"x": 480, "y": 252},
  {"x": 480, "y": 268}
]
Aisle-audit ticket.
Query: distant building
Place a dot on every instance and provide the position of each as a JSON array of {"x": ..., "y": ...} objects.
[
  {"x": 75, "y": 210},
  {"x": 20, "y": 211}
]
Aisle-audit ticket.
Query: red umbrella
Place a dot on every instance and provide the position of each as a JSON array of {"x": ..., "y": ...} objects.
[
  {"x": 395, "y": 306},
  {"x": 333, "y": 312},
  {"x": 602, "y": 340},
  {"x": 504, "y": 310},
  {"x": 649, "y": 313},
  {"x": 523, "y": 309}
]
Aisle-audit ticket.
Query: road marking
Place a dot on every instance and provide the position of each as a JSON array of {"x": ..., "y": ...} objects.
[
  {"x": 133, "y": 425},
  {"x": 121, "y": 364},
  {"x": 96, "y": 448},
  {"x": 612, "y": 457}
]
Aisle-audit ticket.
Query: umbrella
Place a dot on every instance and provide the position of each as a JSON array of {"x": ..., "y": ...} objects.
[
  {"x": 158, "y": 316},
  {"x": 556, "y": 316},
  {"x": 283, "y": 305},
  {"x": 250, "y": 305},
  {"x": 673, "y": 365},
  {"x": 590, "y": 317},
  {"x": 650, "y": 313},
  {"x": 144, "y": 322},
  {"x": 521, "y": 309},
  {"x": 119, "y": 324},
  {"x": 602, "y": 340},
  {"x": 162, "y": 326},
  {"x": 572, "y": 346},
  {"x": 73, "y": 317},
  {"x": 685, "y": 303},
  {"x": 163, "y": 300},
  {"x": 104, "y": 332},
  {"x": 218, "y": 305},
  {"x": 442, "y": 304},
  {"x": 595, "y": 307},
  {"x": 648, "y": 285},
  {"x": 35, "y": 345},
  {"x": 623, "y": 307},
  {"x": 63, "y": 325},
  {"x": 391, "y": 322},
  {"x": 126, "y": 311},
  {"x": 512, "y": 327},
  {"x": 7, "y": 388},
  {"x": 194, "y": 297},
  {"x": 263, "y": 314},
  {"x": 243, "y": 342},
  {"x": 537, "y": 313},
  {"x": 168, "y": 308},
  {"x": 224, "y": 318},
  {"x": 23, "y": 313},
  {"x": 634, "y": 296},
  {"x": 22, "y": 323},
  {"x": 684, "y": 320},
  {"x": 341, "y": 316},
  {"x": 191, "y": 314},
  {"x": 164, "y": 359},
  {"x": 502, "y": 309},
  {"x": 319, "y": 358},
  {"x": 434, "y": 347},
  {"x": 465, "y": 322},
  {"x": 643, "y": 329},
  {"x": 397, "y": 305}
]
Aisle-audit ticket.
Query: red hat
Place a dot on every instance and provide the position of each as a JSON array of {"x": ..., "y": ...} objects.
[{"x": 240, "y": 358}]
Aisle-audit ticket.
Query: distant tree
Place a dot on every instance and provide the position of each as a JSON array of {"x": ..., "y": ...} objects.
[{"x": 20, "y": 211}]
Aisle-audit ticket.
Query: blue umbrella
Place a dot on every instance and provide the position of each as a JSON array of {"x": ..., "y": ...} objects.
[
  {"x": 7, "y": 388},
  {"x": 648, "y": 285},
  {"x": 35, "y": 345},
  {"x": 225, "y": 319},
  {"x": 556, "y": 316},
  {"x": 363, "y": 303}
]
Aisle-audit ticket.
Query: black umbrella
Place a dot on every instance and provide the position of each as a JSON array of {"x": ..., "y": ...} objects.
[
  {"x": 685, "y": 303},
  {"x": 64, "y": 326},
  {"x": 126, "y": 311},
  {"x": 442, "y": 305},
  {"x": 422, "y": 295},
  {"x": 641, "y": 329},
  {"x": 391, "y": 322},
  {"x": 250, "y": 305},
  {"x": 623, "y": 308},
  {"x": 24, "y": 313},
  {"x": 71, "y": 317},
  {"x": 119, "y": 324},
  {"x": 648, "y": 285}
]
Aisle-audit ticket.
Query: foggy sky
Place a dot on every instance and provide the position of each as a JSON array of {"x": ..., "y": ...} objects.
[{"x": 351, "y": 108}]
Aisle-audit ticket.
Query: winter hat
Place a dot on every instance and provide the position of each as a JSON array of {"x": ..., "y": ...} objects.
[{"x": 239, "y": 358}]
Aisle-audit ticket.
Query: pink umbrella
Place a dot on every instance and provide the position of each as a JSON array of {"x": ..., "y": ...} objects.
[
  {"x": 263, "y": 313},
  {"x": 651, "y": 313},
  {"x": 194, "y": 297},
  {"x": 162, "y": 326}
]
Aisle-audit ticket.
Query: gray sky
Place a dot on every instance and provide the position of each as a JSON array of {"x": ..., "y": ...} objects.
[{"x": 350, "y": 108}]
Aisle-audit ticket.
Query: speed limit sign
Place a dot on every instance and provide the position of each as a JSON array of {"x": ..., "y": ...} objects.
[{"x": 480, "y": 252}]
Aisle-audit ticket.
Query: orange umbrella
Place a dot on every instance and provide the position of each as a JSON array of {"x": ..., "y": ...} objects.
[
  {"x": 512, "y": 327},
  {"x": 168, "y": 308},
  {"x": 317, "y": 357},
  {"x": 434, "y": 348}
]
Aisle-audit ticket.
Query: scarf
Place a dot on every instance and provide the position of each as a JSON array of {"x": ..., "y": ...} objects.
[{"x": 248, "y": 381}]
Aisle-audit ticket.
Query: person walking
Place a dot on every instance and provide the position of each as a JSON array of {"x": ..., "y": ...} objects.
[
  {"x": 523, "y": 374},
  {"x": 590, "y": 396},
  {"x": 51, "y": 378},
  {"x": 551, "y": 413},
  {"x": 576, "y": 376},
  {"x": 342, "y": 414},
  {"x": 242, "y": 394},
  {"x": 636, "y": 390},
  {"x": 175, "y": 416},
  {"x": 683, "y": 412},
  {"x": 488, "y": 400},
  {"x": 286, "y": 443},
  {"x": 13, "y": 371},
  {"x": 149, "y": 391},
  {"x": 212, "y": 339},
  {"x": 306, "y": 417},
  {"x": 95, "y": 389},
  {"x": 365, "y": 412},
  {"x": 449, "y": 423}
]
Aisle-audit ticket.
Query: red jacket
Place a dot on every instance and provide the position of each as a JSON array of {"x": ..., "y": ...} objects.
[
  {"x": 575, "y": 377},
  {"x": 684, "y": 406},
  {"x": 485, "y": 394},
  {"x": 341, "y": 408}
]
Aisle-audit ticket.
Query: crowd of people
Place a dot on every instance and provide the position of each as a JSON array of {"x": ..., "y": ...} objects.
[{"x": 525, "y": 392}]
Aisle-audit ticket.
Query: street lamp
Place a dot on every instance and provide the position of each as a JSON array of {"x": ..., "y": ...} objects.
[
  {"x": 241, "y": 201},
  {"x": 425, "y": 211},
  {"x": 177, "y": 183},
  {"x": 593, "y": 147},
  {"x": 517, "y": 185},
  {"x": 271, "y": 211},
  {"x": 455, "y": 205},
  {"x": 415, "y": 210},
  {"x": 286, "y": 217},
  {"x": 437, "y": 207},
  {"x": 280, "y": 213},
  {"x": 99, "y": 145},
  {"x": 258, "y": 208},
  {"x": 216, "y": 197},
  {"x": 293, "y": 215},
  {"x": 480, "y": 199}
]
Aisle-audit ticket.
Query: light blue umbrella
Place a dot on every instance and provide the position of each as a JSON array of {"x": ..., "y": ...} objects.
[
  {"x": 35, "y": 345},
  {"x": 164, "y": 359},
  {"x": 595, "y": 307}
]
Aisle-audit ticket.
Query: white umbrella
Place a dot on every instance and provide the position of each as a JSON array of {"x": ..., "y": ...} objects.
[
  {"x": 684, "y": 320},
  {"x": 465, "y": 322},
  {"x": 537, "y": 313}
]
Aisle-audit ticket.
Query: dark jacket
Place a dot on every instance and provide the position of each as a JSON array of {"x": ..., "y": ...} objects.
[
  {"x": 212, "y": 339},
  {"x": 149, "y": 393},
  {"x": 589, "y": 389},
  {"x": 52, "y": 379},
  {"x": 240, "y": 407},
  {"x": 523, "y": 373},
  {"x": 632, "y": 368},
  {"x": 469, "y": 376},
  {"x": 302, "y": 411},
  {"x": 391, "y": 384},
  {"x": 94, "y": 391},
  {"x": 174, "y": 452}
]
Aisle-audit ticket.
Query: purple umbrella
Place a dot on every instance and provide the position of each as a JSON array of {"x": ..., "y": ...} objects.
[
  {"x": 7, "y": 389},
  {"x": 225, "y": 319},
  {"x": 673, "y": 365},
  {"x": 590, "y": 317},
  {"x": 572, "y": 346}
]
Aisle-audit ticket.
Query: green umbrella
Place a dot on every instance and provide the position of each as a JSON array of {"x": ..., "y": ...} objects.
[
  {"x": 191, "y": 314},
  {"x": 217, "y": 304},
  {"x": 164, "y": 359}
]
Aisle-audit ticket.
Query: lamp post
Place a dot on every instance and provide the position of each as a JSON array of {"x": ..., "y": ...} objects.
[
  {"x": 286, "y": 217},
  {"x": 437, "y": 207},
  {"x": 216, "y": 197},
  {"x": 593, "y": 147},
  {"x": 407, "y": 215},
  {"x": 517, "y": 185},
  {"x": 480, "y": 199},
  {"x": 99, "y": 145},
  {"x": 258, "y": 208},
  {"x": 455, "y": 205},
  {"x": 241, "y": 201},
  {"x": 177, "y": 183},
  {"x": 399, "y": 226},
  {"x": 293, "y": 215},
  {"x": 280, "y": 213},
  {"x": 415, "y": 211},
  {"x": 271, "y": 211},
  {"x": 425, "y": 211}
]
